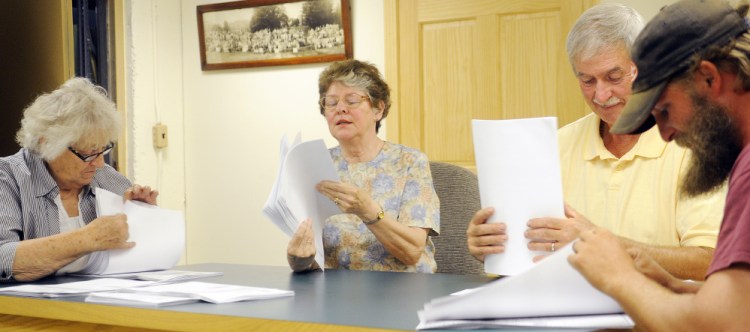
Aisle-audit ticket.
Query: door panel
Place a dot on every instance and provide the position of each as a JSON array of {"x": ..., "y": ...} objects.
[{"x": 452, "y": 61}]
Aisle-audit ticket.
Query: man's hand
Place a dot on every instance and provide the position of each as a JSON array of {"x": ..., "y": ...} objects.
[
  {"x": 483, "y": 238},
  {"x": 544, "y": 232}
]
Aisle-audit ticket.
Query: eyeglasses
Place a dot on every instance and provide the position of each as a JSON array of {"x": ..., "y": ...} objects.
[
  {"x": 87, "y": 158},
  {"x": 351, "y": 101},
  {"x": 615, "y": 77}
]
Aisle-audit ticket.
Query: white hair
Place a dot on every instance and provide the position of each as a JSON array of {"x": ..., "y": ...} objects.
[
  {"x": 603, "y": 27},
  {"x": 78, "y": 112}
]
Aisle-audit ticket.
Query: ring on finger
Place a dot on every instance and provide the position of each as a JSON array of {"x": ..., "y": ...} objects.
[
  {"x": 552, "y": 248},
  {"x": 336, "y": 201}
]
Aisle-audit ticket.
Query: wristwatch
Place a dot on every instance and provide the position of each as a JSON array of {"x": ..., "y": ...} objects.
[{"x": 380, "y": 216}]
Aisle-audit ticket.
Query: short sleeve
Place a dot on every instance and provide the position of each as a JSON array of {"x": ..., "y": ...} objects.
[{"x": 420, "y": 206}]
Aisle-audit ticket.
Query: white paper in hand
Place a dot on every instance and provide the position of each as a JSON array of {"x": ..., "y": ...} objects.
[
  {"x": 294, "y": 197},
  {"x": 551, "y": 288},
  {"x": 518, "y": 168},
  {"x": 159, "y": 235}
]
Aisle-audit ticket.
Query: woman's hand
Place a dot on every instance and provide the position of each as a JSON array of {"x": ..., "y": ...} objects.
[
  {"x": 108, "y": 232},
  {"x": 300, "y": 252},
  {"x": 143, "y": 194},
  {"x": 350, "y": 199}
]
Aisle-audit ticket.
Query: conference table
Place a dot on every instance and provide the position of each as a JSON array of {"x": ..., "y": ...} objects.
[{"x": 334, "y": 300}]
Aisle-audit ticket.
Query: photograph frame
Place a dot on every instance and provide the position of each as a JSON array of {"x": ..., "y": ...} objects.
[{"x": 258, "y": 33}]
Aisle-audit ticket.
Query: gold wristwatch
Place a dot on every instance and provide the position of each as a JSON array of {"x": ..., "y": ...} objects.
[{"x": 379, "y": 217}]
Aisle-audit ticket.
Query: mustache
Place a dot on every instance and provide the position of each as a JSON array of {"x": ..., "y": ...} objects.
[{"x": 610, "y": 102}]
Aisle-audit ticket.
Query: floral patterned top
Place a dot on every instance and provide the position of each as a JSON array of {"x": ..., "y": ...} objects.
[{"x": 399, "y": 179}]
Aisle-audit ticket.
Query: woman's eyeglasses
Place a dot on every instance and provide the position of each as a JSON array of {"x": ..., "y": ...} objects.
[
  {"x": 351, "y": 101},
  {"x": 90, "y": 157}
]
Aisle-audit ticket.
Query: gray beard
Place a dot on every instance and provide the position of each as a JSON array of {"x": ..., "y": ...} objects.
[{"x": 715, "y": 143}]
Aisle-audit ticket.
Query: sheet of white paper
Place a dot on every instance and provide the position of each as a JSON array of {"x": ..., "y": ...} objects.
[
  {"x": 159, "y": 235},
  {"x": 108, "y": 203},
  {"x": 293, "y": 197},
  {"x": 214, "y": 293},
  {"x": 162, "y": 276},
  {"x": 73, "y": 288},
  {"x": 569, "y": 323},
  {"x": 307, "y": 164},
  {"x": 518, "y": 167},
  {"x": 269, "y": 208},
  {"x": 551, "y": 287},
  {"x": 139, "y": 300}
]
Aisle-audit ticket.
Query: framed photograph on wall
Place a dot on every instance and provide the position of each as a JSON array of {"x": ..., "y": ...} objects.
[{"x": 254, "y": 33}]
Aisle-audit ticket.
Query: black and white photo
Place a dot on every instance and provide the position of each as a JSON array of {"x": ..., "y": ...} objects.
[{"x": 256, "y": 33}]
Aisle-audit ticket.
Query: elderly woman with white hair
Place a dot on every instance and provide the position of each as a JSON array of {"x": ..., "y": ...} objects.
[{"x": 48, "y": 221}]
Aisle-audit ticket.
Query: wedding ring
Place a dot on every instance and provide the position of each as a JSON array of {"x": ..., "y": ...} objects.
[
  {"x": 336, "y": 201},
  {"x": 553, "y": 247}
]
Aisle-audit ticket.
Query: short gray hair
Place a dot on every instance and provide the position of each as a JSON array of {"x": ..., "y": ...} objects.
[
  {"x": 78, "y": 112},
  {"x": 602, "y": 27},
  {"x": 360, "y": 75}
]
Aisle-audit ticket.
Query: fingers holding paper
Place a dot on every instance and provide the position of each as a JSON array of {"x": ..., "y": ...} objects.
[
  {"x": 349, "y": 199},
  {"x": 602, "y": 260},
  {"x": 109, "y": 232},
  {"x": 548, "y": 234},
  {"x": 141, "y": 193},
  {"x": 300, "y": 251},
  {"x": 483, "y": 238}
]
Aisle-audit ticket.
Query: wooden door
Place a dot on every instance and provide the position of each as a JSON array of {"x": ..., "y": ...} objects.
[{"x": 449, "y": 62}]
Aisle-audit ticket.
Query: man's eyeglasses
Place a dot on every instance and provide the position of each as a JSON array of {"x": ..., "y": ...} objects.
[
  {"x": 90, "y": 157},
  {"x": 351, "y": 101}
]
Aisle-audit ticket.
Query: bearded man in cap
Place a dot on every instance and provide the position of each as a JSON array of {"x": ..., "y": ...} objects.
[{"x": 694, "y": 83}]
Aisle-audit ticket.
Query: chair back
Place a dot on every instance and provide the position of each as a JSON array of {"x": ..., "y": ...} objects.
[{"x": 458, "y": 191}]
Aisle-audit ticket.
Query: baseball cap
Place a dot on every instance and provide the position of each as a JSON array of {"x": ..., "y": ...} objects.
[{"x": 662, "y": 50}]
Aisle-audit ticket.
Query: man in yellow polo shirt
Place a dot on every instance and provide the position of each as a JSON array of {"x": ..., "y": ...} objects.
[{"x": 625, "y": 183}]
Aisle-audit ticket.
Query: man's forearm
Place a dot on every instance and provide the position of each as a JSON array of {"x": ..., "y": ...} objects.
[{"x": 682, "y": 262}]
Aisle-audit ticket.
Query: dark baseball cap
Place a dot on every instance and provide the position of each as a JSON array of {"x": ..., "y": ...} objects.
[{"x": 662, "y": 50}]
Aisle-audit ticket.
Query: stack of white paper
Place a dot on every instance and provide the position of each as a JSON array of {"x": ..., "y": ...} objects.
[
  {"x": 160, "y": 295},
  {"x": 518, "y": 167},
  {"x": 294, "y": 198},
  {"x": 550, "y": 294},
  {"x": 159, "y": 236},
  {"x": 73, "y": 288},
  {"x": 164, "y": 276}
]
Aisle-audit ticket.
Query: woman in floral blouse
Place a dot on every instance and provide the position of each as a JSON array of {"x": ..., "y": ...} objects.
[{"x": 389, "y": 207}]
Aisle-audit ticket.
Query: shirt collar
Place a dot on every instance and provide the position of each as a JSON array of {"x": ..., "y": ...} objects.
[{"x": 649, "y": 145}]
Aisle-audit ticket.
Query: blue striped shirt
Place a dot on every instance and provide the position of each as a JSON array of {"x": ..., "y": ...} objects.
[{"x": 27, "y": 202}]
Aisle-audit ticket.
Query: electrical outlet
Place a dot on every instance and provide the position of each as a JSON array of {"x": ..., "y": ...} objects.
[{"x": 160, "y": 136}]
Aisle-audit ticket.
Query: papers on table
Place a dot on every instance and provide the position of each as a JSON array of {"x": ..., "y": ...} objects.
[
  {"x": 551, "y": 293},
  {"x": 147, "y": 293},
  {"x": 192, "y": 291},
  {"x": 518, "y": 167},
  {"x": 161, "y": 276},
  {"x": 138, "y": 300},
  {"x": 570, "y": 323},
  {"x": 73, "y": 288},
  {"x": 159, "y": 236},
  {"x": 293, "y": 197}
]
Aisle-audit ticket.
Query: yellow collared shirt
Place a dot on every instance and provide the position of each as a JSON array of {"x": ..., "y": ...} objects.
[{"x": 637, "y": 195}]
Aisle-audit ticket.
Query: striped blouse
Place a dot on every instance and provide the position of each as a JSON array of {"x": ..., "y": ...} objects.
[{"x": 27, "y": 202}]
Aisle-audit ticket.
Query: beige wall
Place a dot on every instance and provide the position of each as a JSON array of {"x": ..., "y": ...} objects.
[{"x": 224, "y": 127}]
